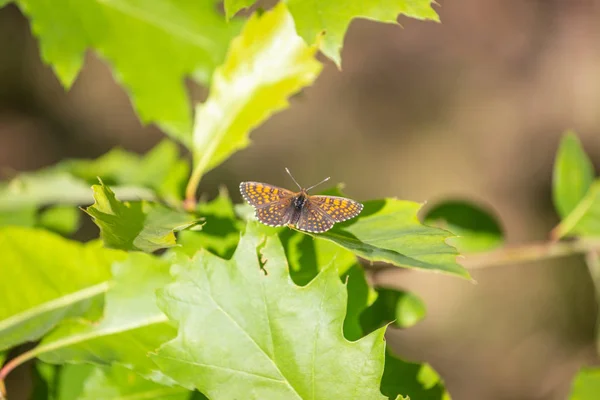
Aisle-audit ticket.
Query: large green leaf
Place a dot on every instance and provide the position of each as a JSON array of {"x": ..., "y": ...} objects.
[
  {"x": 265, "y": 65},
  {"x": 573, "y": 174},
  {"x": 132, "y": 325},
  {"x": 476, "y": 228},
  {"x": 388, "y": 230},
  {"x": 136, "y": 225},
  {"x": 268, "y": 337},
  {"x": 584, "y": 219},
  {"x": 331, "y": 18},
  {"x": 152, "y": 46},
  {"x": 586, "y": 385},
  {"x": 46, "y": 278},
  {"x": 117, "y": 382}
]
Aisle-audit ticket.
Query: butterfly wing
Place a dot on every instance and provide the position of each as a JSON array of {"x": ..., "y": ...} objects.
[
  {"x": 278, "y": 213},
  {"x": 337, "y": 208},
  {"x": 313, "y": 219},
  {"x": 260, "y": 195}
]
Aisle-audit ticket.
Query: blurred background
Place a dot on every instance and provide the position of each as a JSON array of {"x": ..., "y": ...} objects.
[{"x": 470, "y": 108}]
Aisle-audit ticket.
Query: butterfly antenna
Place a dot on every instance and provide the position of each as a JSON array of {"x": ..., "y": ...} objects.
[
  {"x": 291, "y": 176},
  {"x": 323, "y": 181}
]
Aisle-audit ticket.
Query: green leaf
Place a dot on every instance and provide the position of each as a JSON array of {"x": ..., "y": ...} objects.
[
  {"x": 46, "y": 278},
  {"x": 573, "y": 174},
  {"x": 136, "y": 225},
  {"x": 586, "y": 384},
  {"x": 265, "y": 65},
  {"x": 388, "y": 230},
  {"x": 584, "y": 220},
  {"x": 132, "y": 325},
  {"x": 256, "y": 320},
  {"x": 161, "y": 169},
  {"x": 410, "y": 310},
  {"x": 53, "y": 186},
  {"x": 477, "y": 228},
  {"x": 418, "y": 381},
  {"x": 63, "y": 220},
  {"x": 120, "y": 383},
  {"x": 404, "y": 309},
  {"x": 220, "y": 232},
  {"x": 152, "y": 47},
  {"x": 360, "y": 296},
  {"x": 332, "y": 18}
]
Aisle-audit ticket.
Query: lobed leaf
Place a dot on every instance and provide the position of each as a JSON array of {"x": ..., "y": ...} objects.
[
  {"x": 46, "y": 278},
  {"x": 131, "y": 327},
  {"x": 268, "y": 337},
  {"x": 136, "y": 225},
  {"x": 151, "y": 46},
  {"x": 476, "y": 228},
  {"x": 573, "y": 174},
  {"x": 265, "y": 65}
]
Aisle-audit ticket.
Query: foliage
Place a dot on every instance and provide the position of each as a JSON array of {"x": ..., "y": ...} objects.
[{"x": 183, "y": 295}]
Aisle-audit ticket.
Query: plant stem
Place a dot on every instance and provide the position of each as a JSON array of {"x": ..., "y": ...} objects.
[{"x": 529, "y": 252}]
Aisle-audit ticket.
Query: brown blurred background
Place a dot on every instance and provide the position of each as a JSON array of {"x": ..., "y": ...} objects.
[{"x": 472, "y": 108}]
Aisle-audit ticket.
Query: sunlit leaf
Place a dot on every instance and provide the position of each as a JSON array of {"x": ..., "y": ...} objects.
[
  {"x": 476, "y": 228},
  {"x": 586, "y": 385},
  {"x": 71, "y": 379},
  {"x": 136, "y": 225},
  {"x": 132, "y": 325},
  {"x": 332, "y": 18},
  {"x": 151, "y": 46},
  {"x": 265, "y": 65},
  {"x": 573, "y": 174},
  {"x": 584, "y": 220},
  {"x": 46, "y": 278},
  {"x": 256, "y": 321},
  {"x": 120, "y": 383},
  {"x": 418, "y": 381}
]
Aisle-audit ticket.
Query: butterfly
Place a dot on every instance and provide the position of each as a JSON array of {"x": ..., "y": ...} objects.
[{"x": 275, "y": 206}]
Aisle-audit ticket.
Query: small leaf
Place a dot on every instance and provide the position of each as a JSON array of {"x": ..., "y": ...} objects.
[
  {"x": 586, "y": 384},
  {"x": 71, "y": 379},
  {"x": 418, "y": 381},
  {"x": 265, "y": 65},
  {"x": 584, "y": 220},
  {"x": 332, "y": 18},
  {"x": 388, "y": 230},
  {"x": 135, "y": 225},
  {"x": 132, "y": 325},
  {"x": 360, "y": 296},
  {"x": 220, "y": 232},
  {"x": 404, "y": 309},
  {"x": 256, "y": 321},
  {"x": 151, "y": 46},
  {"x": 120, "y": 383},
  {"x": 46, "y": 278},
  {"x": 63, "y": 220},
  {"x": 25, "y": 216},
  {"x": 477, "y": 228},
  {"x": 573, "y": 174}
]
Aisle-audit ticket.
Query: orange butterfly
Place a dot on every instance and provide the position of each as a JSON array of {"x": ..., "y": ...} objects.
[{"x": 277, "y": 206}]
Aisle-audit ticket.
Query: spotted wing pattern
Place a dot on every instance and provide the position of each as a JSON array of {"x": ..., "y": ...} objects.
[
  {"x": 260, "y": 195},
  {"x": 338, "y": 208},
  {"x": 313, "y": 219},
  {"x": 276, "y": 214}
]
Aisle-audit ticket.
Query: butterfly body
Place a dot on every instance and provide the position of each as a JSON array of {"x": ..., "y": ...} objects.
[{"x": 275, "y": 206}]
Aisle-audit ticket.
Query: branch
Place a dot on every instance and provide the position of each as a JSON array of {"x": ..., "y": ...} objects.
[{"x": 529, "y": 252}]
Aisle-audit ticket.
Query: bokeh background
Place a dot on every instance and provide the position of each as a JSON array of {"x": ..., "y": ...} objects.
[{"x": 470, "y": 108}]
